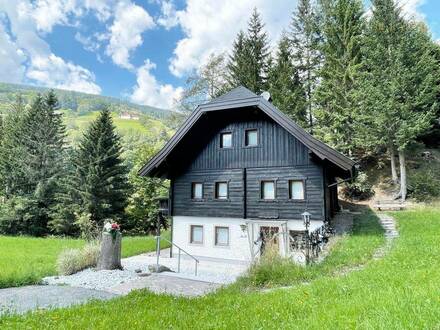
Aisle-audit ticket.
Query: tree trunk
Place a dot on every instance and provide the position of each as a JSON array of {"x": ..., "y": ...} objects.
[
  {"x": 394, "y": 177},
  {"x": 403, "y": 187}
]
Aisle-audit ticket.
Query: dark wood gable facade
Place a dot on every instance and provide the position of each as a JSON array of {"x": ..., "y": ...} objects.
[{"x": 240, "y": 157}]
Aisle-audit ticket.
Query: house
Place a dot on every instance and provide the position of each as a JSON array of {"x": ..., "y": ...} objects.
[
  {"x": 129, "y": 115},
  {"x": 240, "y": 172}
]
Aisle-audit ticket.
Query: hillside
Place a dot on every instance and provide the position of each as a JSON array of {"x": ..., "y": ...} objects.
[
  {"x": 79, "y": 109},
  {"x": 79, "y": 103}
]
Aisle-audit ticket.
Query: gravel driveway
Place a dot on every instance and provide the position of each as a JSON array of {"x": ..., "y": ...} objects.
[
  {"x": 27, "y": 298},
  {"x": 64, "y": 291}
]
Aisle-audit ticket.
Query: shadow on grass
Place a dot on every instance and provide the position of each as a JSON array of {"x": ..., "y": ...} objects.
[{"x": 351, "y": 250}]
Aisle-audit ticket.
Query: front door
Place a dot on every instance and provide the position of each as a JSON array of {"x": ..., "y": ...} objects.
[{"x": 268, "y": 235}]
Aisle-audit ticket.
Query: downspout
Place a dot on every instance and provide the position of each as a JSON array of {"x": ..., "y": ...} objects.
[
  {"x": 244, "y": 194},
  {"x": 170, "y": 211}
]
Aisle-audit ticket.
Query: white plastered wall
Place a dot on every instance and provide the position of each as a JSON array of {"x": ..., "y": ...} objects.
[{"x": 240, "y": 241}]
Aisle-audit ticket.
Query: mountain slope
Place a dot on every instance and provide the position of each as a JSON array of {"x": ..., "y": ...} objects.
[{"x": 80, "y": 103}]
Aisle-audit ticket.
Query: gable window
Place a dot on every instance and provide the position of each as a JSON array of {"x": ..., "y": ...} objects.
[
  {"x": 196, "y": 234},
  {"x": 221, "y": 236},
  {"x": 197, "y": 190},
  {"x": 268, "y": 190},
  {"x": 296, "y": 189},
  {"x": 251, "y": 138},
  {"x": 221, "y": 190},
  {"x": 226, "y": 140}
]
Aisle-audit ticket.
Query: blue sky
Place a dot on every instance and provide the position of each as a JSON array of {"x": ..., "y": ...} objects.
[{"x": 139, "y": 50}]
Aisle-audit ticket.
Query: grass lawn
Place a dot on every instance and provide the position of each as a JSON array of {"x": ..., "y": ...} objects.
[
  {"x": 25, "y": 260},
  {"x": 399, "y": 291}
]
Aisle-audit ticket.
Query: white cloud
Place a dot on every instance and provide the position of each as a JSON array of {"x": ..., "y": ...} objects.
[
  {"x": 53, "y": 71},
  {"x": 411, "y": 8},
  {"x": 210, "y": 27},
  {"x": 149, "y": 91},
  {"x": 169, "y": 17},
  {"x": 33, "y": 57},
  {"x": 126, "y": 32},
  {"x": 48, "y": 13},
  {"x": 11, "y": 59}
]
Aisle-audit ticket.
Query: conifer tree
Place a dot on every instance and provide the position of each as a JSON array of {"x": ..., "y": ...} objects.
[
  {"x": 33, "y": 149},
  {"x": 284, "y": 84},
  {"x": 337, "y": 95},
  {"x": 249, "y": 62},
  {"x": 400, "y": 82},
  {"x": 305, "y": 38},
  {"x": 100, "y": 175}
]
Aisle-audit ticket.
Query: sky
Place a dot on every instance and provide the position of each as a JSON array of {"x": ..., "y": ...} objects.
[{"x": 138, "y": 50}]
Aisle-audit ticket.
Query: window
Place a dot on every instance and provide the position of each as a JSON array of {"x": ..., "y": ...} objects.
[
  {"x": 296, "y": 189},
  {"x": 267, "y": 190},
  {"x": 221, "y": 190},
  {"x": 251, "y": 138},
  {"x": 221, "y": 236},
  {"x": 196, "y": 235},
  {"x": 197, "y": 190},
  {"x": 226, "y": 140}
]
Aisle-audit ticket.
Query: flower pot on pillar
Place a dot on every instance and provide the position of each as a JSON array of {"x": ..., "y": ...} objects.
[{"x": 110, "y": 255}]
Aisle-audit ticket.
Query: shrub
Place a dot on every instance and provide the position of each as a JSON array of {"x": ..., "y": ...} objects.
[
  {"x": 272, "y": 269},
  {"x": 72, "y": 261},
  {"x": 88, "y": 228},
  {"x": 360, "y": 188},
  {"x": 424, "y": 184}
]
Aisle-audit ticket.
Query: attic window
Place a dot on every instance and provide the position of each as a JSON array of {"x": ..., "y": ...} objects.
[
  {"x": 251, "y": 138},
  {"x": 226, "y": 140}
]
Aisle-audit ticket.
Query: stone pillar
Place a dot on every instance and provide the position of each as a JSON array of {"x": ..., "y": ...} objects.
[{"x": 110, "y": 255}]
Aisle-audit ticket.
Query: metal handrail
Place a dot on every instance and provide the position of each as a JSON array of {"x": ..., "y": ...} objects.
[{"x": 158, "y": 238}]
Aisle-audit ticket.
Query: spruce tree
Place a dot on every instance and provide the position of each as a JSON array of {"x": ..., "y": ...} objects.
[
  {"x": 33, "y": 150},
  {"x": 337, "y": 96},
  {"x": 305, "y": 38},
  {"x": 12, "y": 150},
  {"x": 100, "y": 175},
  {"x": 400, "y": 82},
  {"x": 285, "y": 87},
  {"x": 249, "y": 62}
]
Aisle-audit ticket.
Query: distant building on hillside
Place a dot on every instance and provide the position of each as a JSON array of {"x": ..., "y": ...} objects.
[{"x": 129, "y": 115}]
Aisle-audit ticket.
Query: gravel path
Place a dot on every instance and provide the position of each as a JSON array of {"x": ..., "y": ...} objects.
[{"x": 27, "y": 298}]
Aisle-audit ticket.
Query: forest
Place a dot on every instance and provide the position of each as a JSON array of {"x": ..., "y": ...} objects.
[{"x": 365, "y": 82}]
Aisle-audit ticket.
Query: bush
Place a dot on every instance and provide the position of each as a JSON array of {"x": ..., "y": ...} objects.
[
  {"x": 72, "y": 261},
  {"x": 359, "y": 189},
  {"x": 272, "y": 269},
  {"x": 424, "y": 184},
  {"x": 23, "y": 216}
]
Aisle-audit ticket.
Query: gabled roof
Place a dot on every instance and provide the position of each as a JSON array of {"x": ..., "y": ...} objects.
[{"x": 241, "y": 97}]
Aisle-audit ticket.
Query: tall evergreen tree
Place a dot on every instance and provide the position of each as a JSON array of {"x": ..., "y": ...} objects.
[
  {"x": 12, "y": 150},
  {"x": 400, "y": 83},
  {"x": 306, "y": 38},
  {"x": 249, "y": 62},
  {"x": 100, "y": 175},
  {"x": 337, "y": 96},
  {"x": 284, "y": 84},
  {"x": 33, "y": 162}
]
